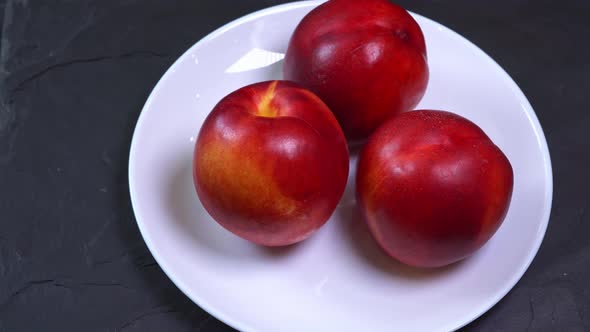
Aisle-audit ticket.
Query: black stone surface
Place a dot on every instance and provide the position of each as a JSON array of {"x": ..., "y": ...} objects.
[{"x": 73, "y": 78}]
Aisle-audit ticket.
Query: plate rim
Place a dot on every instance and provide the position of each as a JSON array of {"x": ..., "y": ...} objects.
[{"x": 242, "y": 326}]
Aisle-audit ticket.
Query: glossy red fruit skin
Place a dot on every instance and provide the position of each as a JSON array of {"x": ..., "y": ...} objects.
[
  {"x": 365, "y": 59},
  {"x": 432, "y": 187},
  {"x": 271, "y": 163}
]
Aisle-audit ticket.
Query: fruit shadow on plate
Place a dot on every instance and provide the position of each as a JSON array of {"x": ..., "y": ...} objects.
[
  {"x": 192, "y": 220},
  {"x": 356, "y": 232}
]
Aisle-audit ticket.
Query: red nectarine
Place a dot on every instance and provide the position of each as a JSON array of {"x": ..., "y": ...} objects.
[
  {"x": 432, "y": 187},
  {"x": 271, "y": 163},
  {"x": 365, "y": 59}
]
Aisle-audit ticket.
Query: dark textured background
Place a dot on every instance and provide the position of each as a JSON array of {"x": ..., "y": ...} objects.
[{"x": 73, "y": 78}]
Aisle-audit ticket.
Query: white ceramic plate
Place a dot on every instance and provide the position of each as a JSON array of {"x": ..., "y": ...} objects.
[{"x": 337, "y": 280}]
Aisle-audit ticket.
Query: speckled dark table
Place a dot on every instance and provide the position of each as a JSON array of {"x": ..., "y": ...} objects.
[{"x": 73, "y": 78}]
